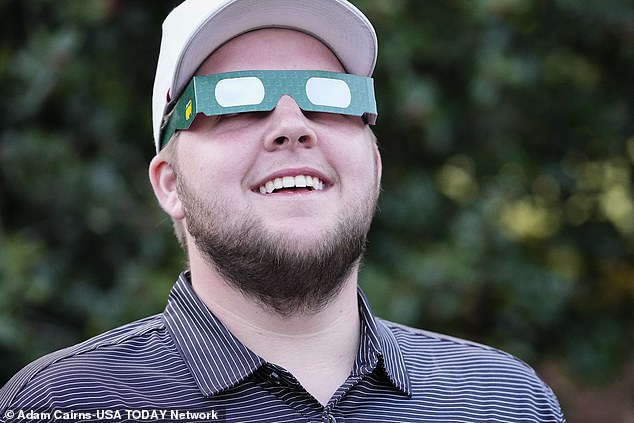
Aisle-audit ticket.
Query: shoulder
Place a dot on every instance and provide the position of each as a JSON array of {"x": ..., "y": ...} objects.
[
  {"x": 438, "y": 349},
  {"x": 445, "y": 367},
  {"x": 36, "y": 385}
]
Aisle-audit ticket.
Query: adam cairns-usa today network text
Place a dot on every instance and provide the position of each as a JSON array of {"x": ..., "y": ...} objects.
[{"x": 140, "y": 415}]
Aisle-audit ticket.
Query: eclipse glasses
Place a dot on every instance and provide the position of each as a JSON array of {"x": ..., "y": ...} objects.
[{"x": 260, "y": 91}]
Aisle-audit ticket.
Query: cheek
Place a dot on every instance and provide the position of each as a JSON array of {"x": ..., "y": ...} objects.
[
  {"x": 217, "y": 163},
  {"x": 358, "y": 164}
]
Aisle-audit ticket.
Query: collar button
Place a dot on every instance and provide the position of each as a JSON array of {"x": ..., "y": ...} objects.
[{"x": 275, "y": 378}]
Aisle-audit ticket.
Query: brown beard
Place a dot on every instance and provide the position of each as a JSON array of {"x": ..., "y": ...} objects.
[{"x": 267, "y": 268}]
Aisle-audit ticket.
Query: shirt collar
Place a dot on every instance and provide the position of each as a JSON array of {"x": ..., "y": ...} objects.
[
  {"x": 381, "y": 344},
  {"x": 219, "y": 361},
  {"x": 216, "y": 359}
]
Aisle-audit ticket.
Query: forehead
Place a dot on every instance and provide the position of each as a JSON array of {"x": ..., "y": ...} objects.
[{"x": 271, "y": 49}]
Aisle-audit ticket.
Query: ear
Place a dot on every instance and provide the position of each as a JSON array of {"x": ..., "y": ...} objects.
[
  {"x": 378, "y": 164},
  {"x": 163, "y": 178}
]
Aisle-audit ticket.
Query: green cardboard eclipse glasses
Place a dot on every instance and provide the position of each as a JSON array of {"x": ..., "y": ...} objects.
[{"x": 259, "y": 91}]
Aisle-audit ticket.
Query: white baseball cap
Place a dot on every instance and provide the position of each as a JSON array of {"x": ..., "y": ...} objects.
[{"x": 196, "y": 28}]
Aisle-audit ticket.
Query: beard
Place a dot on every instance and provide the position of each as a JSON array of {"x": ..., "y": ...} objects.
[{"x": 269, "y": 267}]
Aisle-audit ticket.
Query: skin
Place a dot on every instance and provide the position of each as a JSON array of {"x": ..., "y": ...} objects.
[{"x": 223, "y": 161}]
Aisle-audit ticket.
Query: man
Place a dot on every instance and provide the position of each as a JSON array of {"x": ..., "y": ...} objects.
[{"x": 268, "y": 167}]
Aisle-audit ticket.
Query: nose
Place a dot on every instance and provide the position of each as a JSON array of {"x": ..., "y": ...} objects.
[{"x": 288, "y": 127}]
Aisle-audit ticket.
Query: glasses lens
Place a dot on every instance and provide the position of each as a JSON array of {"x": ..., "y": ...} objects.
[
  {"x": 328, "y": 92},
  {"x": 234, "y": 92}
]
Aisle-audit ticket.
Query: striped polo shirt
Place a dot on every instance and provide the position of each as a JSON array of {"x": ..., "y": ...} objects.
[{"x": 184, "y": 365}]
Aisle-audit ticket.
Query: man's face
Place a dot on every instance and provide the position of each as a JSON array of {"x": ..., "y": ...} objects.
[{"x": 300, "y": 241}]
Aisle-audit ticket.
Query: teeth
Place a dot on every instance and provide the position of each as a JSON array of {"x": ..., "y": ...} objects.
[
  {"x": 288, "y": 181},
  {"x": 299, "y": 181}
]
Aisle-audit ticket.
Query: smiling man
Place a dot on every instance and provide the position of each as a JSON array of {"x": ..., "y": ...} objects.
[{"x": 268, "y": 167}]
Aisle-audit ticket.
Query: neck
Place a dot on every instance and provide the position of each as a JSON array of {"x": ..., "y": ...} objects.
[{"x": 318, "y": 348}]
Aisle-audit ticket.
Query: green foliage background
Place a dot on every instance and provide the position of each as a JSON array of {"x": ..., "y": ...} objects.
[{"x": 507, "y": 215}]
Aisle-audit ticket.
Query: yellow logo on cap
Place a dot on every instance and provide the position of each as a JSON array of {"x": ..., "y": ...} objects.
[{"x": 188, "y": 110}]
